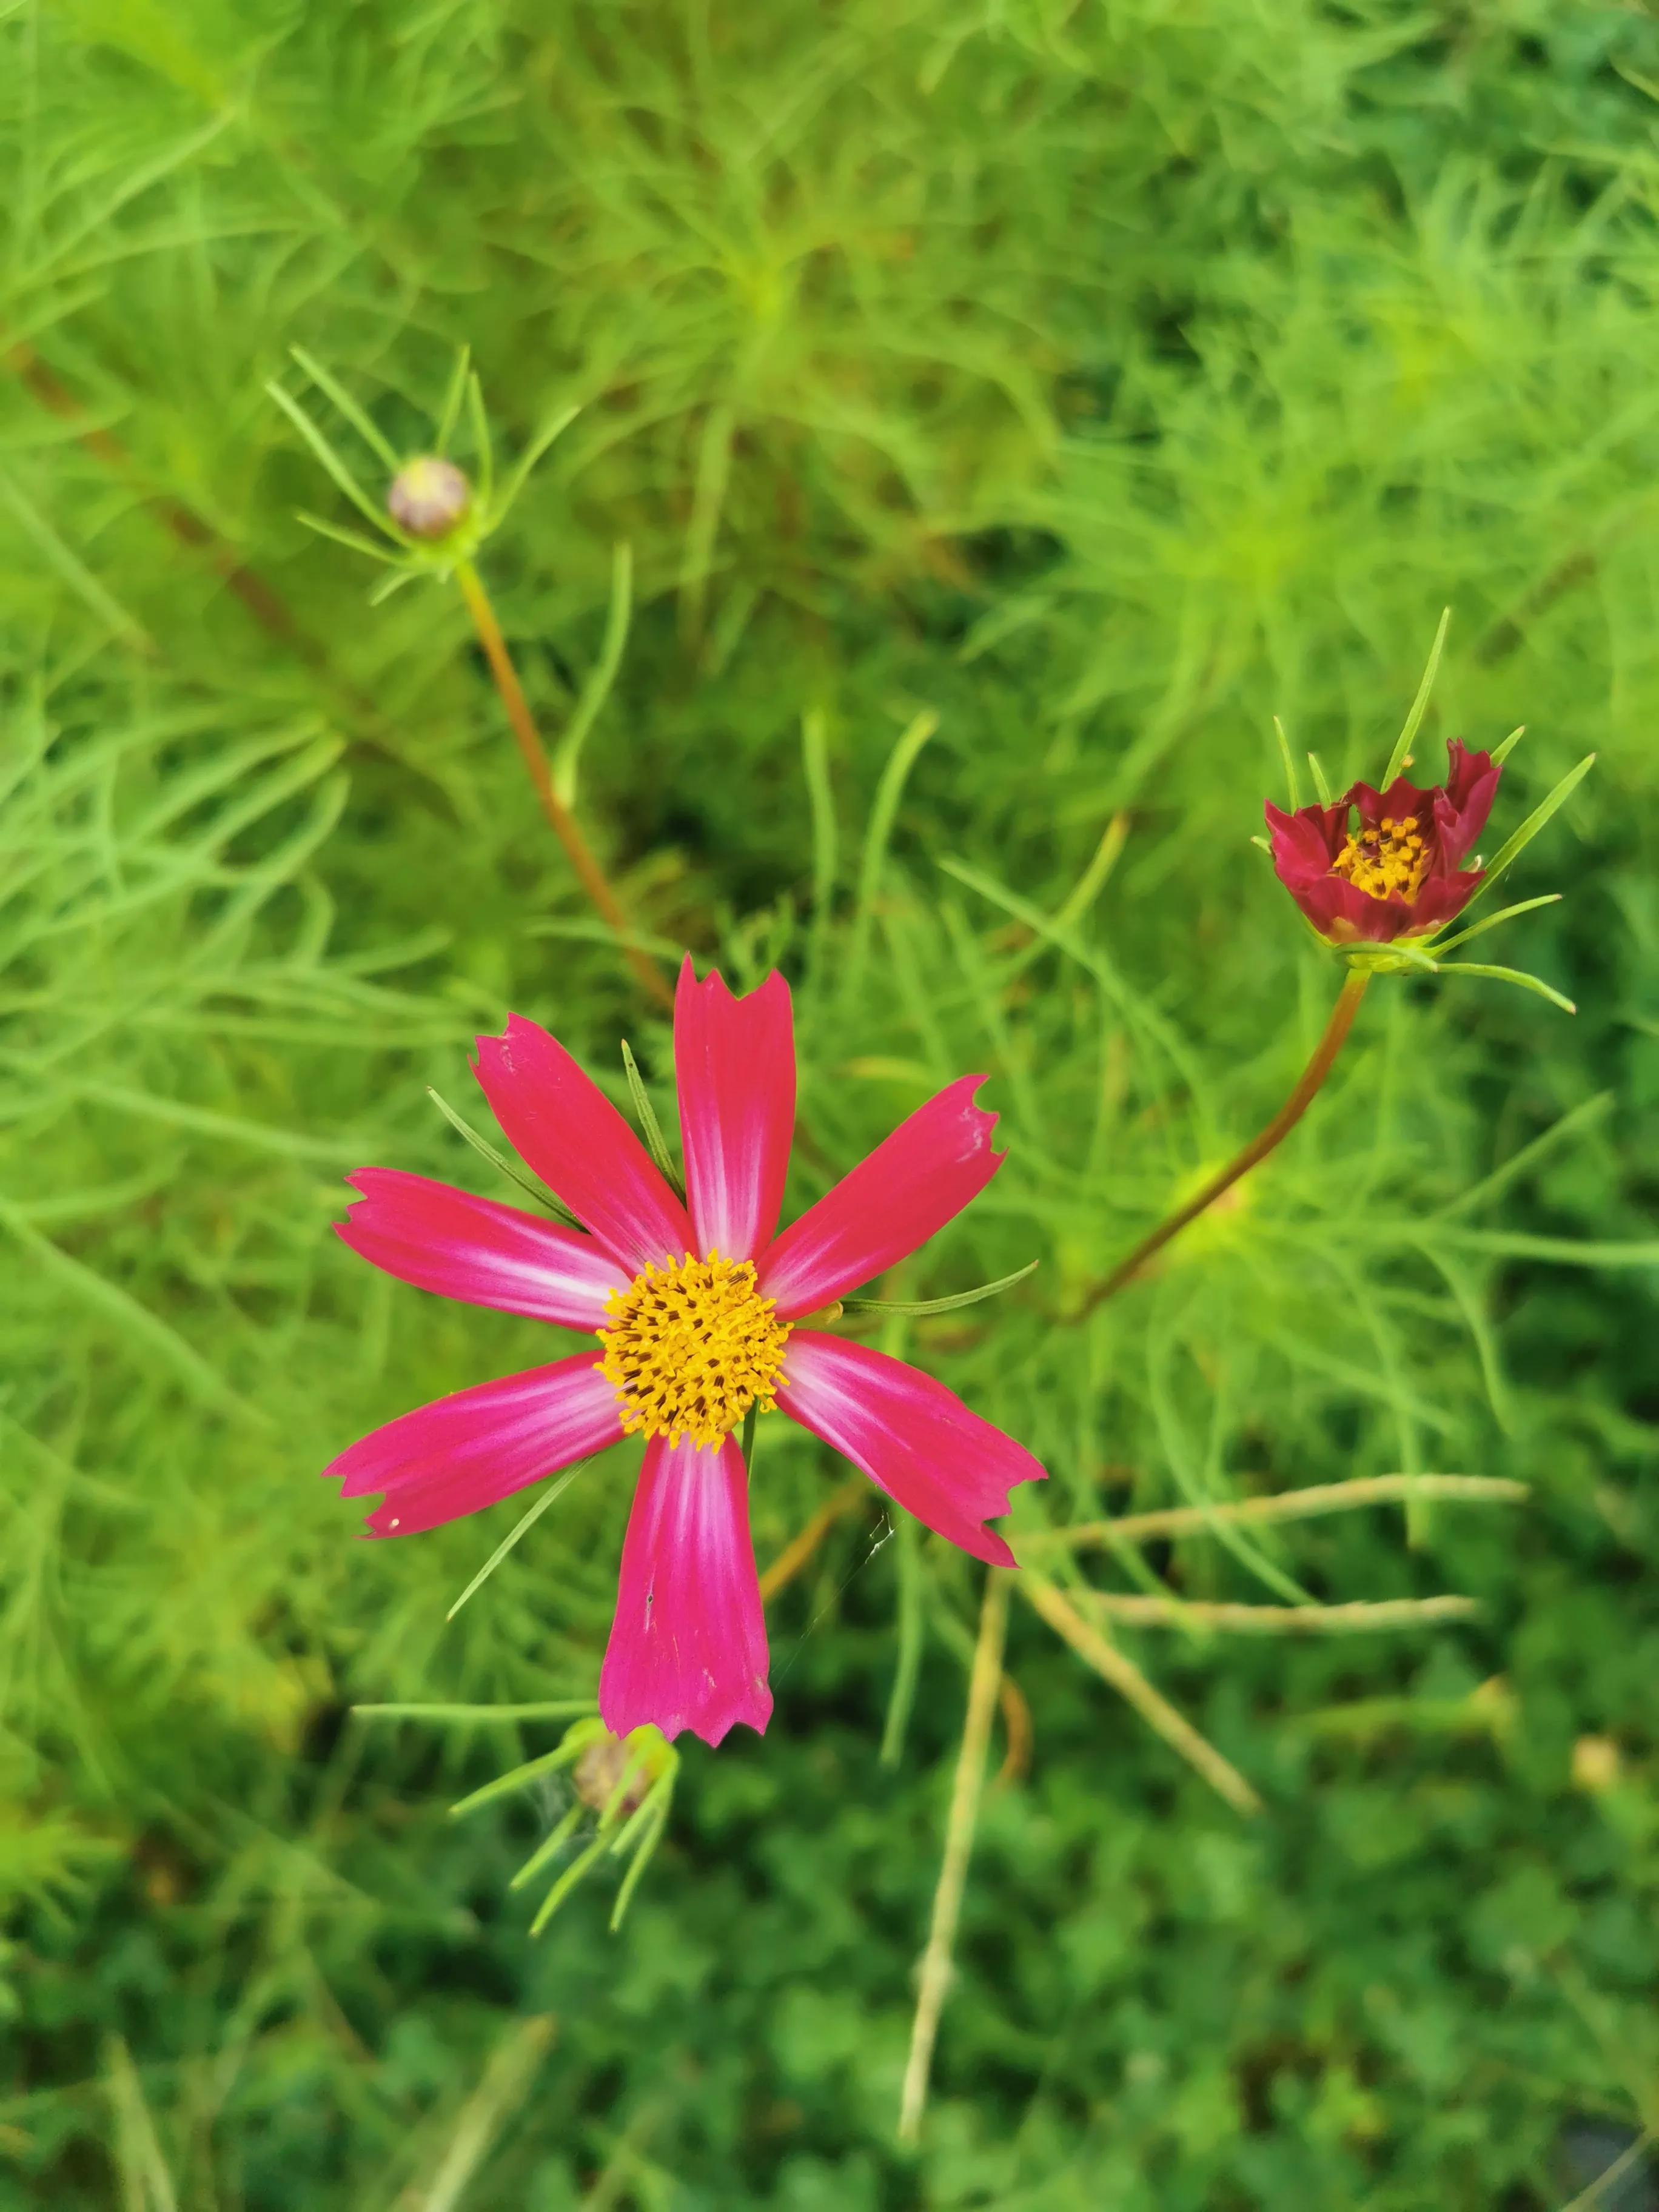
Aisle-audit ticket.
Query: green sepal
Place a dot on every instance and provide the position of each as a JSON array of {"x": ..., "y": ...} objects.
[
  {"x": 503, "y": 1165},
  {"x": 1504, "y": 914},
  {"x": 1511, "y": 976},
  {"x": 656, "y": 1143},
  {"x": 915, "y": 1306},
  {"x": 1398, "y": 958},
  {"x": 516, "y": 1778}
]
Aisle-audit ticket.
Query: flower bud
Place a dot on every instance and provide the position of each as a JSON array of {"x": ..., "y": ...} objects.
[
  {"x": 428, "y": 497},
  {"x": 603, "y": 1766}
]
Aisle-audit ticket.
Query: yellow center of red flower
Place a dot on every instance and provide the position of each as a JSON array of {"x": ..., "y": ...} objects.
[
  {"x": 1390, "y": 859},
  {"x": 690, "y": 1346}
]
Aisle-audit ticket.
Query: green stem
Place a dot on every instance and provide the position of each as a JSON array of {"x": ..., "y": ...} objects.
[{"x": 1313, "y": 1075}]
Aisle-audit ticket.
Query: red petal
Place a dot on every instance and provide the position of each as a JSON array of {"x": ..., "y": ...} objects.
[
  {"x": 562, "y": 1123},
  {"x": 902, "y": 1194},
  {"x": 688, "y": 1645},
  {"x": 469, "y": 1450},
  {"x": 446, "y": 1240},
  {"x": 911, "y": 1437},
  {"x": 734, "y": 1061},
  {"x": 1305, "y": 843},
  {"x": 1461, "y": 810}
]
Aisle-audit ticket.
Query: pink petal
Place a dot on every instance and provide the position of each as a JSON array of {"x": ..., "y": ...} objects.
[
  {"x": 911, "y": 1437},
  {"x": 908, "y": 1188},
  {"x": 562, "y": 1123},
  {"x": 465, "y": 1452},
  {"x": 734, "y": 1059},
  {"x": 445, "y": 1240},
  {"x": 688, "y": 1645}
]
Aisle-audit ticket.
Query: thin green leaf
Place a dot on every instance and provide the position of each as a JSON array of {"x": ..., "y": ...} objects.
[
  {"x": 357, "y": 543},
  {"x": 1292, "y": 785},
  {"x": 556, "y": 1709},
  {"x": 1572, "y": 1123},
  {"x": 502, "y": 1164},
  {"x": 646, "y": 1113},
  {"x": 519, "y": 1528},
  {"x": 1421, "y": 704},
  {"x": 388, "y": 585},
  {"x": 1320, "y": 784},
  {"x": 940, "y": 1305},
  {"x": 1511, "y": 976},
  {"x": 75, "y": 571},
  {"x": 553, "y": 428},
  {"x": 453, "y": 398},
  {"x": 1500, "y": 753},
  {"x": 1508, "y": 853},
  {"x": 597, "y": 689},
  {"x": 1504, "y": 913},
  {"x": 486, "y": 450},
  {"x": 361, "y": 421},
  {"x": 889, "y": 792},
  {"x": 749, "y": 1420},
  {"x": 1089, "y": 886},
  {"x": 331, "y": 461},
  {"x": 815, "y": 762}
]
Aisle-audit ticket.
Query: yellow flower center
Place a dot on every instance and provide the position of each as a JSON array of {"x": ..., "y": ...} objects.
[
  {"x": 1390, "y": 859},
  {"x": 690, "y": 1346}
]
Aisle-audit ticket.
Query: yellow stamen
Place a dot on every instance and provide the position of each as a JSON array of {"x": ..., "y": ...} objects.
[
  {"x": 1389, "y": 860},
  {"x": 690, "y": 1346}
]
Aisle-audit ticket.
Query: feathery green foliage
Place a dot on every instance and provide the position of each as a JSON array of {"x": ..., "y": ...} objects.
[{"x": 1005, "y": 412}]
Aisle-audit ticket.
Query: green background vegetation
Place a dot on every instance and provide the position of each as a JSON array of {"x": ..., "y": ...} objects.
[{"x": 1104, "y": 378}]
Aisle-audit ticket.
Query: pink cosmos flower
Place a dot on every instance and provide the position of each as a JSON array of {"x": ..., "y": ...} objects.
[
  {"x": 1401, "y": 874},
  {"x": 698, "y": 1310}
]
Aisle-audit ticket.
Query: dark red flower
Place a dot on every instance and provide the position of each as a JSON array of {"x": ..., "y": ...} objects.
[{"x": 1399, "y": 873}]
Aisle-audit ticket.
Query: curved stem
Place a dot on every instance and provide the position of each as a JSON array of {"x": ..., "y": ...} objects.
[
  {"x": 1313, "y": 1075},
  {"x": 589, "y": 873}
]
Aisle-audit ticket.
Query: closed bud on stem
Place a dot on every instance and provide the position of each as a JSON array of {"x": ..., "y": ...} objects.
[
  {"x": 610, "y": 1760},
  {"x": 429, "y": 498}
]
